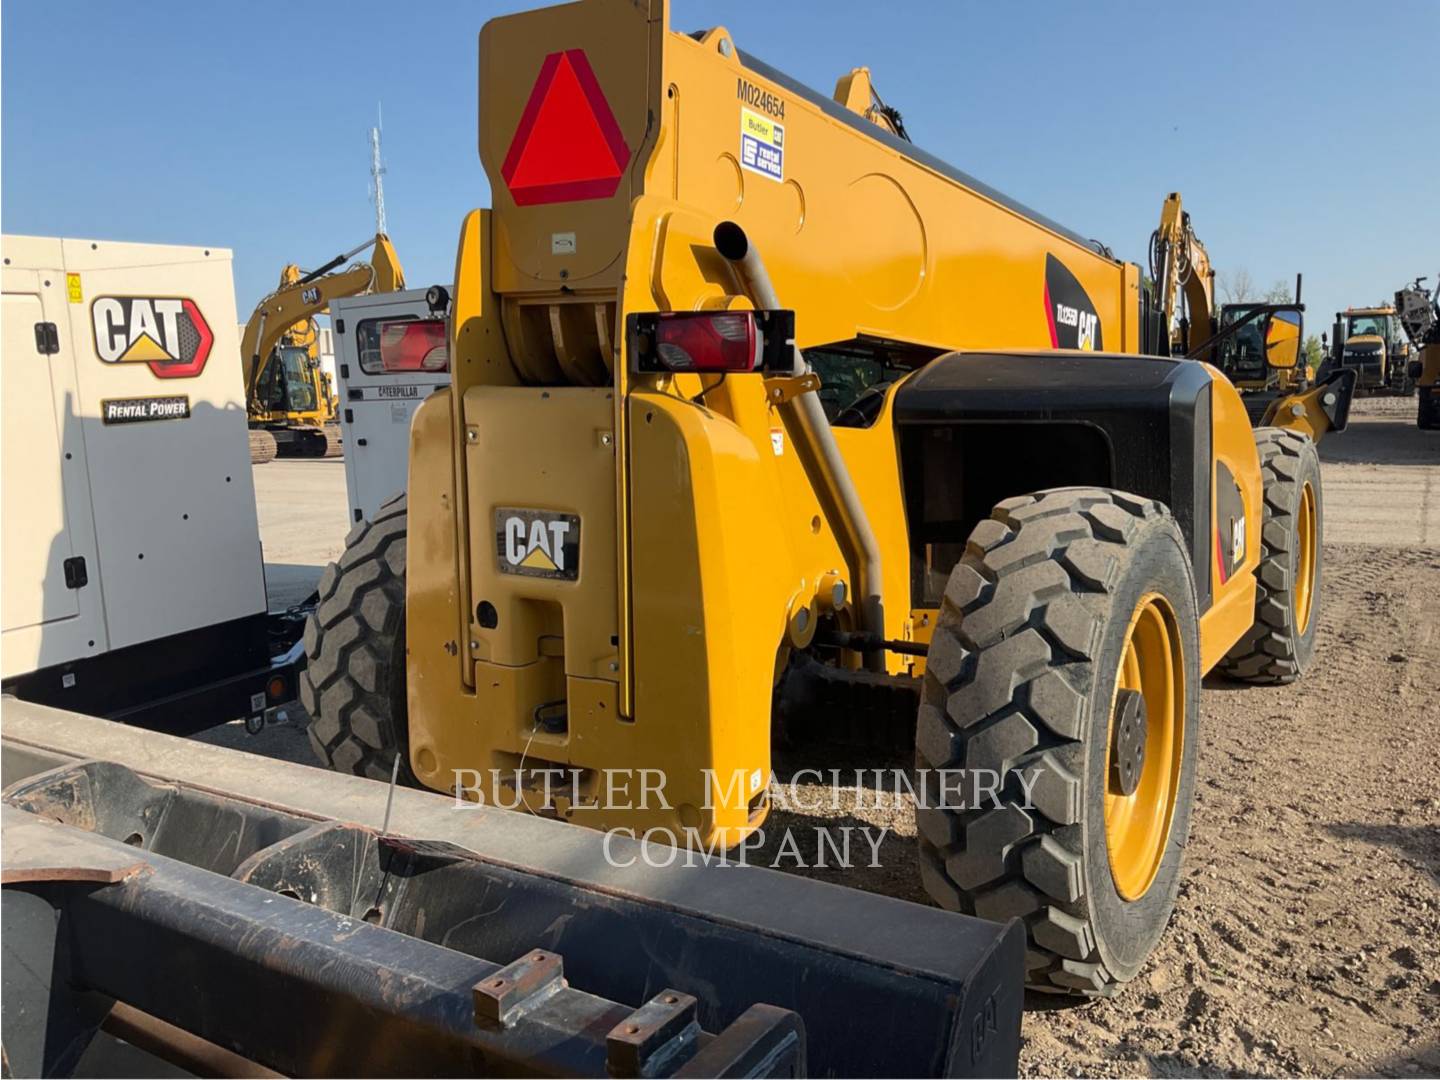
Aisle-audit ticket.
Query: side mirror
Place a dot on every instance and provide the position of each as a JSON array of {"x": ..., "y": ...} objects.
[{"x": 1282, "y": 338}]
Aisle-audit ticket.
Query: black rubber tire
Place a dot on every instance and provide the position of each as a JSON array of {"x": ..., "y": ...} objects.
[
  {"x": 1427, "y": 411},
  {"x": 353, "y": 685},
  {"x": 262, "y": 446},
  {"x": 1274, "y": 651},
  {"x": 1020, "y": 679},
  {"x": 334, "y": 445}
]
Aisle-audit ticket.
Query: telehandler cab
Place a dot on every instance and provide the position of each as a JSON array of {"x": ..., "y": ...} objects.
[{"x": 763, "y": 419}]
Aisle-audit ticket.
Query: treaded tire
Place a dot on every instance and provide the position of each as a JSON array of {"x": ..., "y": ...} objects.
[
  {"x": 1020, "y": 679},
  {"x": 1274, "y": 650},
  {"x": 353, "y": 685},
  {"x": 262, "y": 447},
  {"x": 1427, "y": 410}
]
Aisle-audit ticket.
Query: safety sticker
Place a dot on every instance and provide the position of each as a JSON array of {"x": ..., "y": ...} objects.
[
  {"x": 72, "y": 289},
  {"x": 762, "y": 145}
]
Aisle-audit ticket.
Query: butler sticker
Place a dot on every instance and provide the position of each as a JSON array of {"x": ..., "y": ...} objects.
[
  {"x": 1074, "y": 323},
  {"x": 762, "y": 145},
  {"x": 167, "y": 333},
  {"x": 537, "y": 543}
]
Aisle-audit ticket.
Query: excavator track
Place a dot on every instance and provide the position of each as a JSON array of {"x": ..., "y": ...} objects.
[
  {"x": 262, "y": 447},
  {"x": 334, "y": 446}
]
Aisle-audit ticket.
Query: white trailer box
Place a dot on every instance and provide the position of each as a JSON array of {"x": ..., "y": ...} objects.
[
  {"x": 131, "y": 557},
  {"x": 380, "y": 393}
]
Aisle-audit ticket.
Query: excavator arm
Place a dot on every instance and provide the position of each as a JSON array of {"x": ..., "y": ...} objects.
[
  {"x": 300, "y": 298},
  {"x": 1179, "y": 261}
]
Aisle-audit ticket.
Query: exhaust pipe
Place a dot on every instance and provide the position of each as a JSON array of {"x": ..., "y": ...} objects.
[{"x": 821, "y": 457}]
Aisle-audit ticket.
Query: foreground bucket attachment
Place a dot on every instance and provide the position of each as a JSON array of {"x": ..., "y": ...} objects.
[{"x": 223, "y": 899}]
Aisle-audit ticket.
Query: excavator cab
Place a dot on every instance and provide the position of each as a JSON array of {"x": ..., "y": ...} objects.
[{"x": 289, "y": 381}]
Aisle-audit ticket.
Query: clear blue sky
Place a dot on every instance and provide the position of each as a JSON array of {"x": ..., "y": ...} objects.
[{"x": 1302, "y": 134}]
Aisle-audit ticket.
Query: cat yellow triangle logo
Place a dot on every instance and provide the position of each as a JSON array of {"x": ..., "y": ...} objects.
[
  {"x": 144, "y": 348},
  {"x": 538, "y": 560}
]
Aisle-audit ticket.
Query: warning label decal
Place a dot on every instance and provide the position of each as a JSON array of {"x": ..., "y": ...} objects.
[{"x": 762, "y": 145}]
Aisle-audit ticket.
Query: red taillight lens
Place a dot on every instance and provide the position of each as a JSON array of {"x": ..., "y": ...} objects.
[
  {"x": 725, "y": 341},
  {"x": 414, "y": 345}
]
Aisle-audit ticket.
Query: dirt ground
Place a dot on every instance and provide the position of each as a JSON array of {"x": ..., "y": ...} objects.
[{"x": 1306, "y": 937}]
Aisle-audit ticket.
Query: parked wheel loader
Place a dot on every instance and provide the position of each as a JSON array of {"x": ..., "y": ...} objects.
[
  {"x": 289, "y": 400},
  {"x": 766, "y": 423}
]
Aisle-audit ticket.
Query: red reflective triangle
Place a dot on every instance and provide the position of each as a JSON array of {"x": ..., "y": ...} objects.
[{"x": 568, "y": 146}]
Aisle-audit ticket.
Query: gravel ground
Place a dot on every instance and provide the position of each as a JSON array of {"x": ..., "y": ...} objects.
[{"x": 1306, "y": 938}]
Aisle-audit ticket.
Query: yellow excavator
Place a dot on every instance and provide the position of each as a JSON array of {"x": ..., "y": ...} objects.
[
  {"x": 289, "y": 399},
  {"x": 1256, "y": 345},
  {"x": 766, "y": 424}
]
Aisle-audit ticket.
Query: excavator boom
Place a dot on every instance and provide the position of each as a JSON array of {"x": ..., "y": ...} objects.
[
  {"x": 1179, "y": 261},
  {"x": 309, "y": 295},
  {"x": 289, "y": 401}
]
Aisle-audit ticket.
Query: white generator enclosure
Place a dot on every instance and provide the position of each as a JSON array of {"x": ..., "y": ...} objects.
[
  {"x": 389, "y": 357},
  {"x": 129, "y": 510}
]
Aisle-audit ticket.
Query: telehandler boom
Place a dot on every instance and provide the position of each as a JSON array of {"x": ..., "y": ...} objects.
[{"x": 765, "y": 420}]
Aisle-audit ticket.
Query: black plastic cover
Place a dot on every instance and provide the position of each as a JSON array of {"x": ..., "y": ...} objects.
[{"x": 1006, "y": 424}]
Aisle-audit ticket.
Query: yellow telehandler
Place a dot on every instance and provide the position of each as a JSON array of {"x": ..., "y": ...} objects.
[
  {"x": 763, "y": 420},
  {"x": 289, "y": 399}
]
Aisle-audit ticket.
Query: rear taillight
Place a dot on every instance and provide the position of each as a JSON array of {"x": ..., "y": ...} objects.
[
  {"x": 706, "y": 341},
  {"x": 414, "y": 345},
  {"x": 727, "y": 342}
]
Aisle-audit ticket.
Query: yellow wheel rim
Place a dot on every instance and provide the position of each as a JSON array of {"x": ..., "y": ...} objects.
[
  {"x": 1306, "y": 537},
  {"x": 1137, "y": 822}
]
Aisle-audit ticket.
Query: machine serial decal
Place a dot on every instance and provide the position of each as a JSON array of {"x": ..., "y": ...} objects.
[
  {"x": 1074, "y": 323},
  {"x": 762, "y": 145},
  {"x": 140, "y": 410},
  {"x": 167, "y": 333},
  {"x": 764, "y": 100},
  {"x": 537, "y": 543}
]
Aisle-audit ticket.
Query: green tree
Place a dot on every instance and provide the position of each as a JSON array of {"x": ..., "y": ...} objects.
[
  {"x": 1313, "y": 353},
  {"x": 1279, "y": 293}
]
